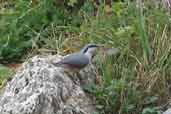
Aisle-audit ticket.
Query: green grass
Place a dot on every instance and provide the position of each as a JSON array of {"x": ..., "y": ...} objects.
[
  {"x": 138, "y": 80},
  {"x": 5, "y": 73},
  {"x": 144, "y": 39}
]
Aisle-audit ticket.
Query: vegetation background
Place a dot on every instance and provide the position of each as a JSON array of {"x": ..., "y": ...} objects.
[{"x": 138, "y": 81}]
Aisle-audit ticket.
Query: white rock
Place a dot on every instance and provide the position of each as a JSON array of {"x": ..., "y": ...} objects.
[{"x": 41, "y": 88}]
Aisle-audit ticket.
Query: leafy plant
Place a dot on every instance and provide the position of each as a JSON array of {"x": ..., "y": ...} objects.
[
  {"x": 22, "y": 26},
  {"x": 131, "y": 82},
  {"x": 152, "y": 110}
]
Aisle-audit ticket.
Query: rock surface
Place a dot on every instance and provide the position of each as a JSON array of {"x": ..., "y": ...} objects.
[
  {"x": 167, "y": 111},
  {"x": 41, "y": 88}
]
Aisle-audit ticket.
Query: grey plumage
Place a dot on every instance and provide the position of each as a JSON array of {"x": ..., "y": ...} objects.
[
  {"x": 75, "y": 60},
  {"x": 79, "y": 59}
]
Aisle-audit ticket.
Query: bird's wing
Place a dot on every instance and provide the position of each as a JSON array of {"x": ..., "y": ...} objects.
[{"x": 76, "y": 59}]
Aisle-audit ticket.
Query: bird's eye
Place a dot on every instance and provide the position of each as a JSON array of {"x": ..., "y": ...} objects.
[{"x": 93, "y": 56}]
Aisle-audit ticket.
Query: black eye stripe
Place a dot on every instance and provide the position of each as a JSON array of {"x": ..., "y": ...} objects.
[
  {"x": 85, "y": 50},
  {"x": 90, "y": 46}
]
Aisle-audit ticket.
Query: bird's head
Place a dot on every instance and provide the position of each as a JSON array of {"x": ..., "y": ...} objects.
[{"x": 89, "y": 49}]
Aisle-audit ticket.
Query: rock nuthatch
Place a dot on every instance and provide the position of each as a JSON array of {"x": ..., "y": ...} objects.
[{"x": 77, "y": 61}]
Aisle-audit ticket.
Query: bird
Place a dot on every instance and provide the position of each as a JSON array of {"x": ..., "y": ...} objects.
[{"x": 78, "y": 60}]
